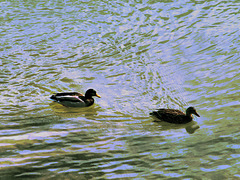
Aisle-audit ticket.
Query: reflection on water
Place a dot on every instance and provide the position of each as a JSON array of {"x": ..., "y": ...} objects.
[
  {"x": 190, "y": 127},
  {"x": 139, "y": 55}
]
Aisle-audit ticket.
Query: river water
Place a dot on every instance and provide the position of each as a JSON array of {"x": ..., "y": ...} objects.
[{"x": 138, "y": 55}]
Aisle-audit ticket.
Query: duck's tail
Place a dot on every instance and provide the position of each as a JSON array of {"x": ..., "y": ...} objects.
[
  {"x": 155, "y": 116},
  {"x": 152, "y": 113},
  {"x": 53, "y": 97}
]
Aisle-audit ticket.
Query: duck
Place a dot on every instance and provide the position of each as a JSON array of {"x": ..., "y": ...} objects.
[
  {"x": 75, "y": 99},
  {"x": 174, "y": 116}
]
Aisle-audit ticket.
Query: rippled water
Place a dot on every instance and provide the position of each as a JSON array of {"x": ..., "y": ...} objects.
[{"x": 138, "y": 55}]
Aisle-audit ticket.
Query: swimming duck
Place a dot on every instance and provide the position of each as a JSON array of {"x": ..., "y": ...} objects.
[
  {"x": 175, "y": 116},
  {"x": 75, "y": 99}
]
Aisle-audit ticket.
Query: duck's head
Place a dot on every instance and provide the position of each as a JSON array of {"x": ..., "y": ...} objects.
[
  {"x": 190, "y": 111},
  {"x": 91, "y": 92}
]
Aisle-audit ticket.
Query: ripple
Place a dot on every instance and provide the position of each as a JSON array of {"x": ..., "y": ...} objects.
[{"x": 139, "y": 57}]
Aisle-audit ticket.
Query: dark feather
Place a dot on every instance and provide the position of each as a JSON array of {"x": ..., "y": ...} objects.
[{"x": 174, "y": 116}]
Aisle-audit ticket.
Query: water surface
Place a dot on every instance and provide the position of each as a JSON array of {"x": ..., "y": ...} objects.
[{"x": 139, "y": 56}]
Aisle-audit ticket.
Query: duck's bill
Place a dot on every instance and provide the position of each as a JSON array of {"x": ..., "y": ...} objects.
[
  {"x": 197, "y": 114},
  {"x": 98, "y": 95}
]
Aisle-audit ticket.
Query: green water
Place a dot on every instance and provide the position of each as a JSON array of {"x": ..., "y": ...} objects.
[{"x": 139, "y": 56}]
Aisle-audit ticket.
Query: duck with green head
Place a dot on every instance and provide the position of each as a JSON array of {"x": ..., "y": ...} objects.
[{"x": 75, "y": 99}]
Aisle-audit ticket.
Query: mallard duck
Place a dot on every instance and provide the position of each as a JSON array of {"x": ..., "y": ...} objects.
[
  {"x": 75, "y": 99},
  {"x": 175, "y": 116}
]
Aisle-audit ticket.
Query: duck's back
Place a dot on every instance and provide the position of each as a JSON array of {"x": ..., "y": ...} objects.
[
  {"x": 69, "y": 94},
  {"x": 63, "y": 95},
  {"x": 170, "y": 112}
]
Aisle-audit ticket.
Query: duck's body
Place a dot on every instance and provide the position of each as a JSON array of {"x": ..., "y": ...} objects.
[
  {"x": 75, "y": 99},
  {"x": 174, "y": 116}
]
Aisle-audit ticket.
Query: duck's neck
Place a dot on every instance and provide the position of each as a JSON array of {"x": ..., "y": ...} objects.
[
  {"x": 88, "y": 96},
  {"x": 189, "y": 115}
]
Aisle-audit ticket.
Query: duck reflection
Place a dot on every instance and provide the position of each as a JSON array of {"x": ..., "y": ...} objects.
[
  {"x": 190, "y": 127},
  {"x": 89, "y": 112}
]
